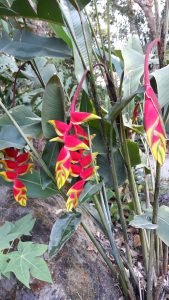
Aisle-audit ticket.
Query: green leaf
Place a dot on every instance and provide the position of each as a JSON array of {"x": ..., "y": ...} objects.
[
  {"x": 143, "y": 221},
  {"x": 10, "y": 137},
  {"x": 104, "y": 169},
  {"x": 10, "y": 232},
  {"x": 5, "y": 235},
  {"x": 62, "y": 231},
  {"x": 89, "y": 191},
  {"x": 75, "y": 23},
  {"x": 133, "y": 70},
  {"x": 50, "y": 11},
  {"x": 81, "y": 3},
  {"x": 118, "y": 107},
  {"x": 23, "y": 8},
  {"x": 25, "y": 261},
  {"x": 3, "y": 263},
  {"x": 46, "y": 10},
  {"x": 162, "y": 78},
  {"x": 49, "y": 156},
  {"x": 53, "y": 105},
  {"x": 134, "y": 43},
  {"x": 134, "y": 153},
  {"x": 61, "y": 33},
  {"x": 26, "y": 119},
  {"x": 33, "y": 184},
  {"x": 26, "y": 45},
  {"x": 24, "y": 225},
  {"x": 163, "y": 224},
  {"x": 85, "y": 103}
]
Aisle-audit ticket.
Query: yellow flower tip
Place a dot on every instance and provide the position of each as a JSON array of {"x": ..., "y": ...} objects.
[
  {"x": 94, "y": 117},
  {"x": 84, "y": 146},
  {"x": 56, "y": 139},
  {"x": 159, "y": 151},
  {"x": 69, "y": 207},
  {"x": 60, "y": 183},
  {"x": 94, "y": 154},
  {"x": 22, "y": 202},
  {"x": 51, "y": 122}
]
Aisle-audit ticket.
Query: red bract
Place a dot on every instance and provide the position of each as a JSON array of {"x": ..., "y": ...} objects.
[
  {"x": 15, "y": 166},
  {"x": 153, "y": 122},
  {"x": 75, "y": 159}
]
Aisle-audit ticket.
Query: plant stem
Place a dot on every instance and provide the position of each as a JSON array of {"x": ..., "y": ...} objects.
[
  {"x": 100, "y": 249},
  {"x": 165, "y": 259},
  {"x": 115, "y": 251},
  {"x": 109, "y": 42},
  {"x": 36, "y": 154},
  {"x": 153, "y": 234},
  {"x": 36, "y": 70},
  {"x": 100, "y": 33},
  {"x": 118, "y": 200},
  {"x": 106, "y": 259},
  {"x": 133, "y": 187}
]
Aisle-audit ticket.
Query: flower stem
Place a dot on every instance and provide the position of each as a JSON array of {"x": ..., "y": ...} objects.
[{"x": 153, "y": 234}]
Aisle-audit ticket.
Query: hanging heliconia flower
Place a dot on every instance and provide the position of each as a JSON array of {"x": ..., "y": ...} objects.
[
  {"x": 15, "y": 165},
  {"x": 153, "y": 122},
  {"x": 75, "y": 158}
]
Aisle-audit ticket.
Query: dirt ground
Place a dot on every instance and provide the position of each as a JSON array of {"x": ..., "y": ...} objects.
[{"x": 78, "y": 272}]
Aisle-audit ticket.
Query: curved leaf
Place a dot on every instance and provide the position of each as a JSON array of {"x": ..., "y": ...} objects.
[
  {"x": 73, "y": 19},
  {"x": 133, "y": 70},
  {"x": 26, "y": 45},
  {"x": 49, "y": 156},
  {"x": 26, "y": 119},
  {"x": 10, "y": 137},
  {"x": 88, "y": 191},
  {"x": 162, "y": 78},
  {"x": 163, "y": 224},
  {"x": 62, "y": 231},
  {"x": 33, "y": 184},
  {"x": 53, "y": 105}
]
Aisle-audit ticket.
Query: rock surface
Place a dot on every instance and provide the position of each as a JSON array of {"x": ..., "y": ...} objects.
[{"x": 78, "y": 272}]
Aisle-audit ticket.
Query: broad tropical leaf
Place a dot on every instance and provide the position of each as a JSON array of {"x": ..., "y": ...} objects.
[
  {"x": 62, "y": 231},
  {"x": 26, "y": 45},
  {"x": 34, "y": 188},
  {"x": 26, "y": 119},
  {"x": 89, "y": 191},
  {"x": 50, "y": 154},
  {"x": 53, "y": 107}
]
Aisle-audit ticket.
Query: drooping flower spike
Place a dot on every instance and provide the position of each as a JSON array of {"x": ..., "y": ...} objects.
[
  {"x": 153, "y": 122},
  {"x": 75, "y": 159},
  {"x": 15, "y": 165}
]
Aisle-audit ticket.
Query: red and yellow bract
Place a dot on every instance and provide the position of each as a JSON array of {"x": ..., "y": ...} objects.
[
  {"x": 75, "y": 158},
  {"x": 153, "y": 122},
  {"x": 15, "y": 165}
]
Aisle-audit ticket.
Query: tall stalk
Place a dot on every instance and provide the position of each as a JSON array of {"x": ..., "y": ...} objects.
[
  {"x": 153, "y": 234},
  {"x": 133, "y": 187},
  {"x": 118, "y": 200}
]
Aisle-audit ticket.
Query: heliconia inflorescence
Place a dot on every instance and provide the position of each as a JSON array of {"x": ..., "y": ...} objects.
[
  {"x": 153, "y": 122},
  {"x": 15, "y": 165},
  {"x": 75, "y": 158}
]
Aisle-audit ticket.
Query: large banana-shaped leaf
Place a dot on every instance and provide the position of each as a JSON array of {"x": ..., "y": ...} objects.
[
  {"x": 44, "y": 10},
  {"x": 79, "y": 30}
]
